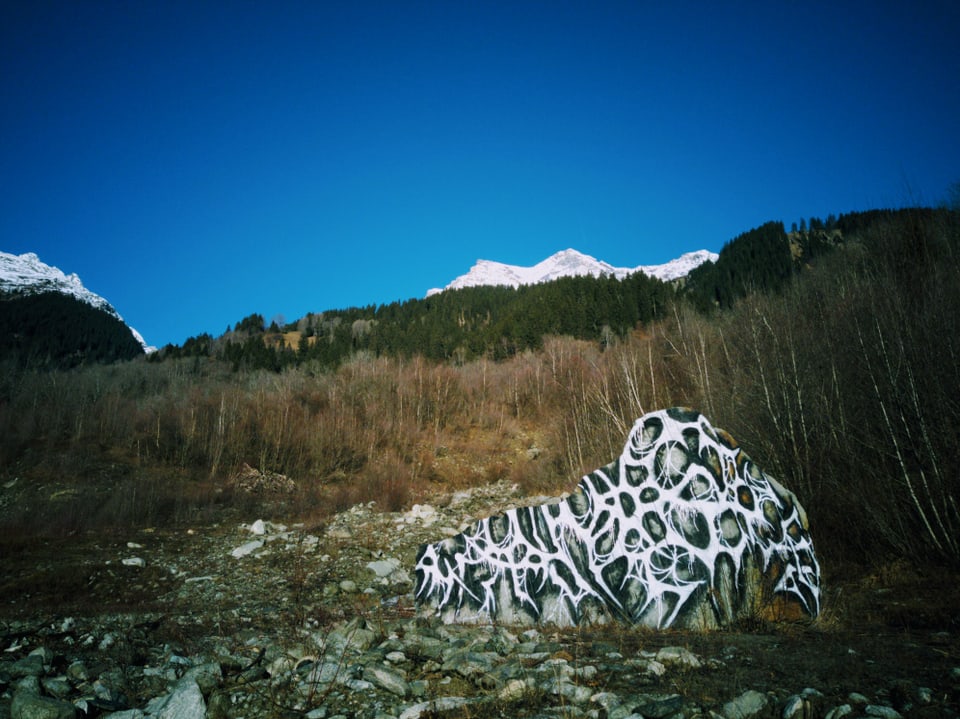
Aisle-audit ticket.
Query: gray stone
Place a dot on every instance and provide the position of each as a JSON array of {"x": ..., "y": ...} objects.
[
  {"x": 361, "y": 686},
  {"x": 184, "y": 702},
  {"x": 78, "y": 672},
  {"x": 249, "y": 548},
  {"x": 57, "y": 687},
  {"x": 387, "y": 679},
  {"x": 28, "y": 685},
  {"x": 875, "y": 710},
  {"x": 514, "y": 690},
  {"x": 384, "y": 567},
  {"x": 659, "y": 707},
  {"x": 325, "y": 672},
  {"x": 795, "y": 708},
  {"x": 29, "y": 666},
  {"x": 470, "y": 665},
  {"x": 679, "y": 656},
  {"x": 746, "y": 706},
  {"x": 613, "y": 705},
  {"x": 416, "y": 644},
  {"x": 26, "y": 705},
  {"x": 207, "y": 676},
  {"x": 353, "y": 636},
  {"x": 434, "y": 707},
  {"x": 45, "y": 654},
  {"x": 576, "y": 694},
  {"x": 839, "y": 712}
]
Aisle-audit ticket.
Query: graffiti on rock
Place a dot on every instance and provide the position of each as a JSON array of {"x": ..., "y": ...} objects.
[{"x": 683, "y": 529}]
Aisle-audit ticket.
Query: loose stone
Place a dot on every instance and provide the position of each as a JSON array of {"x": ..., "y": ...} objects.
[
  {"x": 26, "y": 705},
  {"x": 875, "y": 710},
  {"x": 387, "y": 679},
  {"x": 844, "y": 710},
  {"x": 679, "y": 656},
  {"x": 746, "y": 706}
]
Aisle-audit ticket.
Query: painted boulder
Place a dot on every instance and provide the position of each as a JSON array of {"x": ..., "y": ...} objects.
[{"x": 683, "y": 530}]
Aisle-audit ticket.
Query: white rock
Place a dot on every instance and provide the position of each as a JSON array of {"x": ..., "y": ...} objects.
[
  {"x": 655, "y": 668},
  {"x": 839, "y": 712},
  {"x": 680, "y": 656},
  {"x": 248, "y": 548},
  {"x": 384, "y": 567},
  {"x": 259, "y": 527},
  {"x": 514, "y": 690},
  {"x": 185, "y": 702},
  {"x": 794, "y": 708},
  {"x": 387, "y": 679},
  {"x": 134, "y": 562},
  {"x": 746, "y": 706},
  {"x": 433, "y": 708},
  {"x": 424, "y": 513}
]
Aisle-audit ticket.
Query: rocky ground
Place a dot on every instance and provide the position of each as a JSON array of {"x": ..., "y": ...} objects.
[{"x": 270, "y": 619}]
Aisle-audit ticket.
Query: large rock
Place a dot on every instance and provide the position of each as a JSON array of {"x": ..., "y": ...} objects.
[{"x": 682, "y": 530}]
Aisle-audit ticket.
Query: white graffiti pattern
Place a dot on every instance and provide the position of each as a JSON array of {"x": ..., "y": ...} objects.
[{"x": 676, "y": 522}]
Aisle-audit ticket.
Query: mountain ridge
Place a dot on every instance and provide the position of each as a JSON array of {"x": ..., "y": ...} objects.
[
  {"x": 27, "y": 274},
  {"x": 569, "y": 263}
]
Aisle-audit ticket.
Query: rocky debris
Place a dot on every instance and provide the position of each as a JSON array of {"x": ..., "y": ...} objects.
[
  {"x": 404, "y": 668},
  {"x": 318, "y": 622},
  {"x": 255, "y": 481}
]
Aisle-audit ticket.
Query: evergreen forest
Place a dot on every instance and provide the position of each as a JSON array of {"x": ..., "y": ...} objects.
[{"x": 53, "y": 330}]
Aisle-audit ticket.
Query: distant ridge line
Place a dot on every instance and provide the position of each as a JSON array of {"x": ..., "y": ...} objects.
[{"x": 570, "y": 263}]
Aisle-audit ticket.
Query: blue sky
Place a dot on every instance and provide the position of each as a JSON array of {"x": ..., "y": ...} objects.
[{"x": 195, "y": 161}]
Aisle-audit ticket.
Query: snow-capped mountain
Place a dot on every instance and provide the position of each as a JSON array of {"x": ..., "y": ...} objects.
[
  {"x": 27, "y": 275},
  {"x": 570, "y": 263}
]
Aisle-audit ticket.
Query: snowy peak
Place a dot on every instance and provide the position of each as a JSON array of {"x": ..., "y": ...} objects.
[
  {"x": 680, "y": 267},
  {"x": 27, "y": 275},
  {"x": 570, "y": 263}
]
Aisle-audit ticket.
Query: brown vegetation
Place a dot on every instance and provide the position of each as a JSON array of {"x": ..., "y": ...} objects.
[{"x": 845, "y": 386}]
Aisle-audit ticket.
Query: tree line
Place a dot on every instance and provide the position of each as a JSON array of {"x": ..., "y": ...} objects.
[{"x": 455, "y": 325}]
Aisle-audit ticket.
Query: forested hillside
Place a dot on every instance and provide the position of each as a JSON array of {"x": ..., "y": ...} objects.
[
  {"x": 499, "y": 322},
  {"x": 831, "y": 352},
  {"x": 459, "y": 325},
  {"x": 55, "y": 330}
]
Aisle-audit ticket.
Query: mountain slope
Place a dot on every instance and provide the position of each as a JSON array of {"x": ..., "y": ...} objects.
[
  {"x": 52, "y": 315},
  {"x": 570, "y": 263}
]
